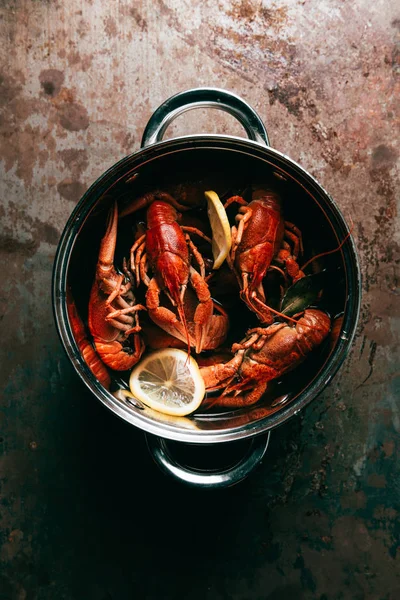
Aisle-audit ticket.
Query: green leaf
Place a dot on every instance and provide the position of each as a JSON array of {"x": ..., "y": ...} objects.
[{"x": 302, "y": 294}]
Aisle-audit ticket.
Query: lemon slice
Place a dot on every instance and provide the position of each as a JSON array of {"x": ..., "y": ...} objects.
[
  {"x": 221, "y": 231},
  {"x": 168, "y": 381}
]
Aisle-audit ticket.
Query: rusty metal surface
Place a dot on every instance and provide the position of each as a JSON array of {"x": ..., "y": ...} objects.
[{"x": 84, "y": 513}]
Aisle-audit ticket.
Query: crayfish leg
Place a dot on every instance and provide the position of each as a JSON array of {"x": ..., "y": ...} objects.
[
  {"x": 197, "y": 255},
  {"x": 242, "y": 219},
  {"x": 196, "y": 231},
  {"x": 293, "y": 233},
  {"x": 237, "y": 199}
]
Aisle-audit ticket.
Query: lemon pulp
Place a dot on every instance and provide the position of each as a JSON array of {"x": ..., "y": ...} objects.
[
  {"x": 221, "y": 231},
  {"x": 169, "y": 381}
]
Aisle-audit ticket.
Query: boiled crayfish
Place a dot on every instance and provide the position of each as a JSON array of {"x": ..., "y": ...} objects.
[
  {"x": 113, "y": 313},
  {"x": 265, "y": 354},
  {"x": 178, "y": 301},
  {"x": 258, "y": 238},
  {"x": 162, "y": 259}
]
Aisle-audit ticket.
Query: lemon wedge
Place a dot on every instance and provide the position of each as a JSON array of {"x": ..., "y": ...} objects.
[
  {"x": 221, "y": 231},
  {"x": 168, "y": 381}
]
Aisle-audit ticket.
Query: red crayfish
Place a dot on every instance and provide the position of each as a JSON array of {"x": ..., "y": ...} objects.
[
  {"x": 162, "y": 259},
  {"x": 167, "y": 261},
  {"x": 265, "y": 354},
  {"x": 113, "y": 313},
  {"x": 258, "y": 238}
]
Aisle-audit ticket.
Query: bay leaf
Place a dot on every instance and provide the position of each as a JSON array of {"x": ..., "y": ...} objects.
[{"x": 303, "y": 293}]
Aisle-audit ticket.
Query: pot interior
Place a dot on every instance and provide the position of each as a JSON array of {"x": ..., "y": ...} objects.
[{"x": 228, "y": 166}]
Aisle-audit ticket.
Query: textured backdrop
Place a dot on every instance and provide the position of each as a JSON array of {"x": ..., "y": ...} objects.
[{"x": 84, "y": 513}]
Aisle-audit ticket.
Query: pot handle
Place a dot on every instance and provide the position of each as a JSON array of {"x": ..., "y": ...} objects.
[
  {"x": 212, "y": 479},
  {"x": 204, "y": 98}
]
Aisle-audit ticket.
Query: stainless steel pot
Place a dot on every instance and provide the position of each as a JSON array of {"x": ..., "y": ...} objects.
[{"x": 234, "y": 160}]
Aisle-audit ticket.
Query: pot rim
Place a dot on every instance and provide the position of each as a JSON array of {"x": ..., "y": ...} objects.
[{"x": 75, "y": 223}]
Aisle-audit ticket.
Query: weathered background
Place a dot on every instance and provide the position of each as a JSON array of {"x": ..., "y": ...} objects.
[{"x": 85, "y": 515}]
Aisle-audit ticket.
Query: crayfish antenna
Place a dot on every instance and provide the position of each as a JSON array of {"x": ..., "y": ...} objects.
[
  {"x": 265, "y": 306},
  {"x": 147, "y": 199},
  {"x": 329, "y": 251},
  {"x": 182, "y": 317}
]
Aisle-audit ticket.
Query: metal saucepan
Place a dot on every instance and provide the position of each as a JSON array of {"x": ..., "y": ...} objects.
[{"x": 202, "y": 162}]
